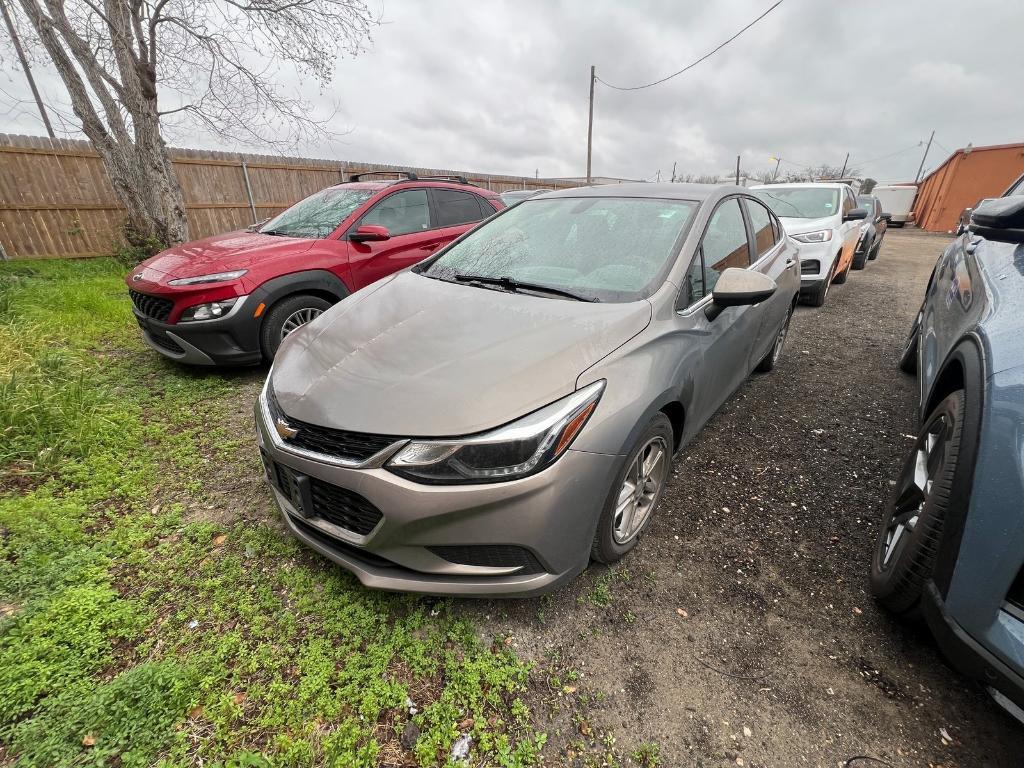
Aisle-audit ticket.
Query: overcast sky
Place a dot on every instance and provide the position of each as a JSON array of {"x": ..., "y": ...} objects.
[{"x": 501, "y": 86}]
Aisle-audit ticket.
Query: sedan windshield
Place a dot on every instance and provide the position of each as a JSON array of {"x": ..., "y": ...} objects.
[
  {"x": 597, "y": 248},
  {"x": 318, "y": 215},
  {"x": 800, "y": 202}
]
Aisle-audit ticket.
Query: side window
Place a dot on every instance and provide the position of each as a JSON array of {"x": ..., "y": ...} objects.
[
  {"x": 486, "y": 209},
  {"x": 402, "y": 213},
  {"x": 848, "y": 202},
  {"x": 693, "y": 283},
  {"x": 761, "y": 223},
  {"x": 725, "y": 243},
  {"x": 454, "y": 208}
]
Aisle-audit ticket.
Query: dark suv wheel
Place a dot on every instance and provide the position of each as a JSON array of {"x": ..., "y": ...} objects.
[{"x": 908, "y": 543}]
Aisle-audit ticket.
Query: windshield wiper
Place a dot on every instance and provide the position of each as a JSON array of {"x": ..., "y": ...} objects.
[
  {"x": 511, "y": 284},
  {"x": 275, "y": 232}
]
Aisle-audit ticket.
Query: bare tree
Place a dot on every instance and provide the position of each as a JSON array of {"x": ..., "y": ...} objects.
[{"x": 207, "y": 62}]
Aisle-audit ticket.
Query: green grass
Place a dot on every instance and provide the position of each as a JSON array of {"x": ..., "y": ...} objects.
[{"x": 133, "y": 632}]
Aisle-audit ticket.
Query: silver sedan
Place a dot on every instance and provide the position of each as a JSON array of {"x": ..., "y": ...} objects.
[{"x": 500, "y": 415}]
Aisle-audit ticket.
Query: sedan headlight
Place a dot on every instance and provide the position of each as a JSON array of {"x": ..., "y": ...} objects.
[
  {"x": 210, "y": 311},
  {"x": 821, "y": 236},
  {"x": 216, "y": 277},
  {"x": 516, "y": 450}
]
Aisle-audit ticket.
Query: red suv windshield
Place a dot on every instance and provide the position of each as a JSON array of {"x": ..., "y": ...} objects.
[{"x": 318, "y": 215}]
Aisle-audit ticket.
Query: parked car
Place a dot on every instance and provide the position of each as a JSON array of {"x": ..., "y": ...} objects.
[
  {"x": 494, "y": 418},
  {"x": 951, "y": 545},
  {"x": 872, "y": 231},
  {"x": 231, "y": 299},
  {"x": 517, "y": 195},
  {"x": 898, "y": 201},
  {"x": 825, "y": 220}
]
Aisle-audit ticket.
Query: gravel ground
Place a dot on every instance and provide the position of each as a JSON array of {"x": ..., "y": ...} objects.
[{"x": 741, "y": 631}]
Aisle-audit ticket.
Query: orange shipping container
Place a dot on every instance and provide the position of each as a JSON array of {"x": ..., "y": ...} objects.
[{"x": 967, "y": 176}]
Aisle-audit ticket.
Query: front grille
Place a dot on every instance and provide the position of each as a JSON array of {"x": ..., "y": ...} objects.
[
  {"x": 810, "y": 267},
  {"x": 151, "y": 306},
  {"x": 351, "y": 446},
  {"x": 315, "y": 498},
  {"x": 166, "y": 342},
  {"x": 346, "y": 509},
  {"x": 490, "y": 556}
]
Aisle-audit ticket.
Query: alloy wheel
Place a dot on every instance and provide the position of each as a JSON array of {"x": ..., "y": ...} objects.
[
  {"x": 640, "y": 490},
  {"x": 299, "y": 318},
  {"x": 915, "y": 488},
  {"x": 780, "y": 340}
]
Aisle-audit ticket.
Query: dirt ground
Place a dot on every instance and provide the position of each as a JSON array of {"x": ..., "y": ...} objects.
[{"x": 741, "y": 631}]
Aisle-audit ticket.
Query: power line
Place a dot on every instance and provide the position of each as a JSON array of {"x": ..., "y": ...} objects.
[
  {"x": 886, "y": 157},
  {"x": 698, "y": 61}
]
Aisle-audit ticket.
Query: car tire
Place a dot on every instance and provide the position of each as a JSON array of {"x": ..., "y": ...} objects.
[
  {"x": 875, "y": 249},
  {"x": 775, "y": 353},
  {"x": 841, "y": 278},
  {"x": 817, "y": 297},
  {"x": 908, "y": 360},
  {"x": 860, "y": 260},
  {"x": 906, "y": 551},
  {"x": 618, "y": 530},
  {"x": 284, "y": 317}
]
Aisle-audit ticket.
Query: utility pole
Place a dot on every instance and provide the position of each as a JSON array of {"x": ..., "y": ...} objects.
[
  {"x": 925, "y": 157},
  {"x": 673, "y": 171},
  {"x": 737, "y": 170},
  {"x": 658, "y": 178},
  {"x": 25, "y": 68},
  {"x": 842, "y": 173},
  {"x": 775, "y": 174},
  {"x": 590, "y": 123}
]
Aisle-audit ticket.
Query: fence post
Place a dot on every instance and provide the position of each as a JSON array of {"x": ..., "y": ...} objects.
[{"x": 248, "y": 191}]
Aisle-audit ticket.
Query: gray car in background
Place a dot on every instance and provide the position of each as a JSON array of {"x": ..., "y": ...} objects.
[{"x": 491, "y": 420}]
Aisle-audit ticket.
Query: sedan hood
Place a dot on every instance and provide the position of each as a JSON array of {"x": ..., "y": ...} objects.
[
  {"x": 224, "y": 253},
  {"x": 800, "y": 226},
  {"x": 418, "y": 357}
]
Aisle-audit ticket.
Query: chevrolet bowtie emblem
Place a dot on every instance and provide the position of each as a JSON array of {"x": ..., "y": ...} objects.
[{"x": 284, "y": 429}]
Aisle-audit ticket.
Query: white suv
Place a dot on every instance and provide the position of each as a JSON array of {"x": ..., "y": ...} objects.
[{"x": 825, "y": 220}]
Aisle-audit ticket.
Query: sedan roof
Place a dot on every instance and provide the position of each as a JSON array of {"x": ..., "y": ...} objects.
[{"x": 693, "y": 192}]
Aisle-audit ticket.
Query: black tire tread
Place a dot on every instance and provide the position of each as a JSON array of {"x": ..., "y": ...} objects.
[
  {"x": 271, "y": 329},
  {"x": 899, "y": 589}
]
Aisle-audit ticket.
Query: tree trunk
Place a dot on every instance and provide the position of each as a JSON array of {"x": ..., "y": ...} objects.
[{"x": 136, "y": 160}]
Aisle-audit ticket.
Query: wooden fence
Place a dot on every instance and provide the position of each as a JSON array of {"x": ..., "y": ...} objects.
[{"x": 56, "y": 200}]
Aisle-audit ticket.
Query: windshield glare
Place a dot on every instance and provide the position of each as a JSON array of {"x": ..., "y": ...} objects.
[
  {"x": 800, "y": 202},
  {"x": 318, "y": 215},
  {"x": 610, "y": 249}
]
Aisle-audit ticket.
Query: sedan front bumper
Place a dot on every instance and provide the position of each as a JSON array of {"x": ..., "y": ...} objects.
[{"x": 522, "y": 537}]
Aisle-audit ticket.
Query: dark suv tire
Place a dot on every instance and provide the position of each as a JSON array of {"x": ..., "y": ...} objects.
[
  {"x": 908, "y": 360},
  {"x": 908, "y": 544},
  {"x": 284, "y": 317}
]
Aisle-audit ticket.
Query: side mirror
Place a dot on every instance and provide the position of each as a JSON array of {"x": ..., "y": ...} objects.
[
  {"x": 738, "y": 288},
  {"x": 370, "y": 233},
  {"x": 1001, "y": 220},
  {"x": 856, "y": 214}
]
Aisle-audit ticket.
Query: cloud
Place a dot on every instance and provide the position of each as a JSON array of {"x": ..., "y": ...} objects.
[{"x": 501, "y": 86}]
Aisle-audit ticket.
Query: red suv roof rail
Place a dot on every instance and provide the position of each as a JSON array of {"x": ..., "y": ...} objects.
[{"x": 409, "y": 175}]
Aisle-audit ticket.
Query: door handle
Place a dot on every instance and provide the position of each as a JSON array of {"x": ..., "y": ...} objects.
[
  {"x": 790, "y": 263},
  {"x": 428, "y": 248}
]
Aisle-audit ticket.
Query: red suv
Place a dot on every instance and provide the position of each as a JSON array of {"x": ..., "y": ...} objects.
[{"x": 230, "y": 299}]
